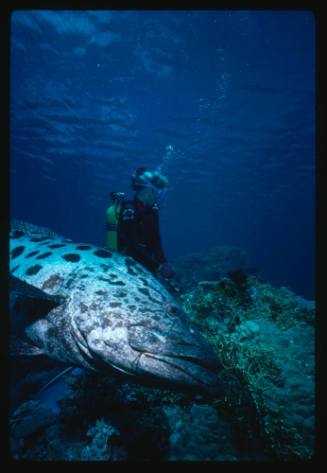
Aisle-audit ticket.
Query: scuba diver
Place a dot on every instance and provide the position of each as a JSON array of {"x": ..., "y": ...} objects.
[{"x": 132, "y": 226}]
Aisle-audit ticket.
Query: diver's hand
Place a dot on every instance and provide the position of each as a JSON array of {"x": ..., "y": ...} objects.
[{"x": 166, "y": 271}]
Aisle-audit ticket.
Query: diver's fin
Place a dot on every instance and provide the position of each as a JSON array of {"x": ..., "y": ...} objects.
[{"x": 28, "y": 303}]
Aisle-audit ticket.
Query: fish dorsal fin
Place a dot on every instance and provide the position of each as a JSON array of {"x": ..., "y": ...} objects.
[
  {"x": 30, "y": 230},
  {"x": 28, "y": 303}
]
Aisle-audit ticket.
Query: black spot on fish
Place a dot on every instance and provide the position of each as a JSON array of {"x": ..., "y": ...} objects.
[
  {"x": 72, "y": 257},
  {"x": 15, "y": 268},
  {"x": 145, "y": 282},
  {"x": 101, "y": 278},
  {"x": 83, "y": 247},
  {"x": 132, "y": 271},
  {"x": 110, "y": 281},
  {"x": 115, "y": 304},
  {"x": 144, "y": 310},
  {"x": 130, "y": 262},
  {"x": 120, "y": 293},
  {"x": 17, "y": 251},
  {"x": 101, "y": 293},
  {"x": 32, "y": 254},
  {"x": 56, "y": 245},
  {"x": 144, "y": 290},
  {"x": 33, "y": 270},
  {"x": 83, "y": 307},
  {"x": 94, "y": 306},
  {"x": 44, "y": 255},
  {"x": 106, "y": 323},
  {"x": 17, "y": 234},
  {"x": 105, "y": 267},
  {"x": 52, "y": 281},
  {"x": 70, "y": 281},
  {"x": 103, "y": 254},
  {"x": 39, "y": 239},
  {"x": 52, "y": 332}
]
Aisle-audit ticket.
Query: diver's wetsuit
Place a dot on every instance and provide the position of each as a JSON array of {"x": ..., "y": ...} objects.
[{"x": 138, "y": 234}]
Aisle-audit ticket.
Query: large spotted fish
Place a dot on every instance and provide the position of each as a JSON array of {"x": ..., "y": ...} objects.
[{"x": 103, "y": 310}]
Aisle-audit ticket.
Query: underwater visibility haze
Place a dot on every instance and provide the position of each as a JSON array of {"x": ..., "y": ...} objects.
[
  {"x": 223, "y": 101},
  {"x": 223, "y": 104}
]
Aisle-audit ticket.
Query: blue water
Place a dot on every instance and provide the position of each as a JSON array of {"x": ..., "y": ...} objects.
[
  {"x": 57, "y": 388},
  {"x": 223, "y": 101}
]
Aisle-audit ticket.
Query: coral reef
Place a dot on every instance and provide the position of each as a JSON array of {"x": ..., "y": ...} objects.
[
  {"x": 210, "y": 265},
  {"x": 198, "y": 433},
  {"x": 101, "y": 420},
  {"x": 99, "y": 446},
  {"x": 26, "y": 422},
  {"x": 264, "y": 337}
]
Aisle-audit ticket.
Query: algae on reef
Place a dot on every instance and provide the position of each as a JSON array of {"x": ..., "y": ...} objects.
[{"x": 264, "y": 337}]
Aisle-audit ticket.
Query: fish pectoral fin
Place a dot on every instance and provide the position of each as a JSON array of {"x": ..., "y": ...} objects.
[
  {"x": 28, "y": 303},
  {"x": 19, "y": 347}
]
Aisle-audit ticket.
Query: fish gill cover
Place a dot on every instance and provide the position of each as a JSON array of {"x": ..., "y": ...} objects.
[{"x": 222, "y": 103}]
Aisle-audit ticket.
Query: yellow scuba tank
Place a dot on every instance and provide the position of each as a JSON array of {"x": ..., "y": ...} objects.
[{"x": 112, "y": 219}]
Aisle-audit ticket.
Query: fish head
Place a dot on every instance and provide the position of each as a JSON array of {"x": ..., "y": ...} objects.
[{"x": 163, "y": 350}]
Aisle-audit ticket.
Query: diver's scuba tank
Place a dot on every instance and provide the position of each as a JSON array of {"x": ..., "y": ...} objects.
[{"x": 112, "y": 219}]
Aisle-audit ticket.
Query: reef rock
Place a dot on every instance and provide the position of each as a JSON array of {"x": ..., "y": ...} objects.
[
  {"x": 198, "y": 433},
  {"x": 210, "y": 265},
  {"x": 265, "y": 337},
  {"x": 29, "y": 418}
]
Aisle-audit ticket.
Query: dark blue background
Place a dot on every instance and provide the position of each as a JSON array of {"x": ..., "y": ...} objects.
[{"x": 96, "y": 94}]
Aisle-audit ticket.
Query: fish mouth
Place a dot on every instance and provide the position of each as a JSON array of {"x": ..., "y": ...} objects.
[
  {"x": 168, "y": 371},
  {"x": 178, "y": 361},
  {"x": 185, "y": 370}
]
